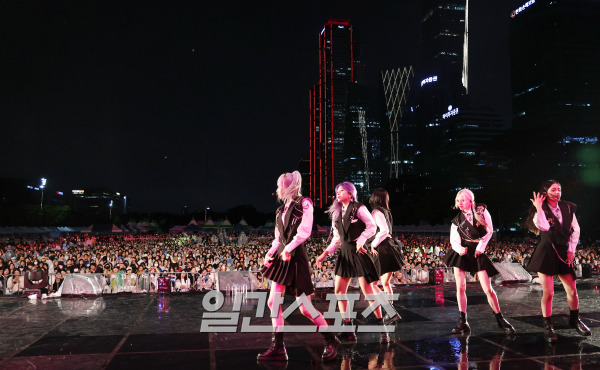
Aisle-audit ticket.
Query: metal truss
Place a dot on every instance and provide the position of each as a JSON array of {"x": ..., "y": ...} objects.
[
  {"x": 365, "y": 153},
  {"x": 396, "y": 86}
]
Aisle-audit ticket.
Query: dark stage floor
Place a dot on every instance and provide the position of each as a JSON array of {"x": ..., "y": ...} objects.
[{"x": 165, "y": 332}]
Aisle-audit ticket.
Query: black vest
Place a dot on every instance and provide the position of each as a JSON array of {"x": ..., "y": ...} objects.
[
  {"x": 468, "y": 231},
  {"x": 288, "y": 228},
  {"x": 349, "y": 226},
  {"x": 559, "y": 234}
]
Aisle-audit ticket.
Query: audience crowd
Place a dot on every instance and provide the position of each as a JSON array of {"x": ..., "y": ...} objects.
[{"x": 136, "y": 262}]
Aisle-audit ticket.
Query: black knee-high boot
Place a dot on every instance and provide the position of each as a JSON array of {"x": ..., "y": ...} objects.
[
  {"x": 385, "y": 337},
  {"x": 549, "y": 333},
  {"x": 348, "y": 336},
  {"x": 503, "y": 324},
  {"x": 463, "y": 326},
  {"x": 576, "y": 323},
  {"x": 277, "y": 350}
]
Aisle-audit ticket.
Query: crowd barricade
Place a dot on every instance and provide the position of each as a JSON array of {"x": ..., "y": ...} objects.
[
  {"x": 414, "y": 276},
  {"x": 128, "y": 282},
  {"x": 181, "y": 282},
  {"x": 8, "y": 285},
  {"x": 156, "y": 282}
]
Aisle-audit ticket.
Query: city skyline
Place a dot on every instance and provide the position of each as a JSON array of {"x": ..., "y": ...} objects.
[{"x": 193, "y": 105}]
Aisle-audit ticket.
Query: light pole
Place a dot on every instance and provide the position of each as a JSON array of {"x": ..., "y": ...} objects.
[
  {"x": 42, "y": 186},
  {"x": 205, "y": 210},
  {"x": 110, "y": 209}
]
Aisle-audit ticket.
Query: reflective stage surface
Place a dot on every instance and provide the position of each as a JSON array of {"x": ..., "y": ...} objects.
[{"x": 164, "y": 331}]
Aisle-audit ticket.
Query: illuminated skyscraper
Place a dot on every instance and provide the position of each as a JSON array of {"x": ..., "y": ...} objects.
[
  {"x": 439, "y": 76},
  {"x": 338, "y": 62},
  {"x": 555, "y": 49},
  {"x": 554, "y": 54},
  {"x": 439, "y": 83},
  {"x": 450, "y": 135}
]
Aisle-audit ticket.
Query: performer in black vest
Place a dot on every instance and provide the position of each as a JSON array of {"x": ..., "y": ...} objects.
[
  {"x": 352, "y": 225},
  {"x": 470, "y": 232},
  {"x": 286, "y": 263},
  {"x": 555, "y": 221},
  {"x": 387, "y": 253}
]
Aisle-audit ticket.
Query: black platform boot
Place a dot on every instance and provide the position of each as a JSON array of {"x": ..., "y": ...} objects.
[
  {"x": 387, "y": 319},
  {"x": 463, "y": 326},
  {"x": 503, "y": 324},
  {"x": 385, "y": 337},
  {"x": 277, "y": 350},
  {"x": 549, "y": 333},
  {"x": 347, "y": 336},
  {"x": 576, "y": 323},
  {"x": 331, "y": 346}
]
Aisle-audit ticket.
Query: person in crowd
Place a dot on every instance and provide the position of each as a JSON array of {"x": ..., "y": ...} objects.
[
  {"x": 263, "y": 284},
  {"x": 154, "y": 275},
  {"x": 143, "y": 279},
  {"x": 4, "y": 280},
  {"x": 423, "y": 274},
  {"x": 16, "y": 282},
  {"x": 324, "y": 282},
  {"x": 555, "y": 221},
  {"x": 470, "y": 233},
  {"x": 194, "y": 278},
  {"x": 387, "y": 253},
  {"x": 352, "y": 226},
  {"x": 182, "y": 282},
  {"x": 60, "y": 277},
  {"x": 286, "y": 264},
  {"x": 399, "y": 278},
  {"x": 116, "y": 280}
]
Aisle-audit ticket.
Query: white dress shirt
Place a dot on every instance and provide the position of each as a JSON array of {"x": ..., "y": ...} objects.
[{"x": 381, "y": 223}]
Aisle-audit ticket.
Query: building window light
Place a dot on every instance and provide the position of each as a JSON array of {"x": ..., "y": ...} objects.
[
  {"x": 528, "y": 90},
  {"x": 577, "y": 104}
]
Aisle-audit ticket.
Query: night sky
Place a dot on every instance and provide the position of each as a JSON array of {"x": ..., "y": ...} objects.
[{"x": 178, "y": 103}]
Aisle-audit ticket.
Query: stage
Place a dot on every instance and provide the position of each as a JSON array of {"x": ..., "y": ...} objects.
[{"x": 150, "y": 331}]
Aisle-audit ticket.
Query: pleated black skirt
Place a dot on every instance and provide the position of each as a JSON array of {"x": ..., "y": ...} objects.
[
  {"x": 545, "y": 259},
  {"x": 389, "y": 257},
  {"x": 351, "y": 264},
  {"x": 468, "y": 262},
  {"x": 294, "y": 274}
]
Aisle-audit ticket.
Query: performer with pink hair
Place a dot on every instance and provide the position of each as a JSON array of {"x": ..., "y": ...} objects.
[
  {"x": 352, "y": 225},
  {"x": 470, "y": 233},
  {"x": 286, "y": 264}
]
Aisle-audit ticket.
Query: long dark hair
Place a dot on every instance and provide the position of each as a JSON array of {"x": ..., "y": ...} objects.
[
  {"x": 528, "y": 224},
  {"x": 380, "y": 199}
]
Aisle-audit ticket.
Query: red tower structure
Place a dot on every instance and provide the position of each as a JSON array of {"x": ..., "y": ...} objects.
[{"x": 338, "y": 60}]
